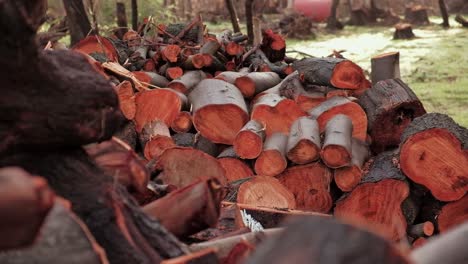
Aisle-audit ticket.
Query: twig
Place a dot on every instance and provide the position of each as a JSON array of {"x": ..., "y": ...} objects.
[{"x": 300, "y": 52}]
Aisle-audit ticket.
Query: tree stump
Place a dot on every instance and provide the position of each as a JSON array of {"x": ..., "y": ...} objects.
[{"x": 403, "y": 31}]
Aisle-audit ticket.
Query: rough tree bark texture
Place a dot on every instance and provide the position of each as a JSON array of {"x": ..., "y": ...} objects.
[{"x": 77, "y": 20}]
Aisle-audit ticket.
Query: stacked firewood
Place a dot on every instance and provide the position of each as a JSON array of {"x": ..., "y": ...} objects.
[{"x": 215, "y": 139}]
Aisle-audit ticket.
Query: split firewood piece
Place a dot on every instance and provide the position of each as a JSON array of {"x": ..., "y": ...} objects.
[
  {"x": 310, "y": 185},
  {"x": 336, "y": 150},
  {"x": 173, "y": 73},
  {"x": 198, "y": 257},
  {"x": 256, "y": 82},
  {"x": 118, "y": 160},
  {"x": 272, "y": 160},
  {"x": 170, "y": 53},
  {"x": 189, "y": 210},
  {"x": 453, "y": 214},
  {"x": 385, "y": 66},
  {"x": 64, "y": 239},
  {"x": 181, "y": 166},
  {"x": 248, "y": 143},
  {"x": 390, "y": 107},
  {"x": 403, "y": 31},
  {"x": 273, "y": 45},
  {"x": 158, "y": 104},
  {"x": 182, "y": 123},
  {"x": 377, "y": 201},
  {"x": 309, "y": 236},
  {"x": 341, "y": 105},
  {"x": 448, "y": 248},
  {"x": 99, "y": 47},
  {"x": 155, "y": 138},
  {"x": 339, "y": 73},
  {"x": 25, "y": 201},
  {"x": 235, "y": 167},
  {"x": 265, "y": 191},
  {"x": 433, "y": 153},
  {"x": 304, "y": 141},
  {"x": 187, "y": 81},
  {"x": 277, "y": 113},
  {"x": 219, "y": 110},
  {"x": 151, "y": 78},
  {"x": 224, "y": 246},
  {"x": 425, "y": 229},
  {"x": 346, "y": 178},
  {"x": 126, "y": 99},
  {"x": 196, "y": 141}
]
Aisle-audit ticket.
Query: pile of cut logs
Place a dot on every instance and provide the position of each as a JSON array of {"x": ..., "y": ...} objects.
[{"x": 175, "y": 145}]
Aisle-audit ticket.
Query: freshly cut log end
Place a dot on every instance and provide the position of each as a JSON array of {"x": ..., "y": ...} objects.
[
  {"x": 349, "y": 75},
  {"x": 265, "y": 191},
  {"x": 219, "y": 110},
  {"x": 187, "y": 81},
  {"x": 272, "y": 160},
  {"x": 126, "y": 99},
  {"x": 336, "y": 150},
  {"x": 453, "y": 214},
  {"x": 341, "y": 105},
  {"x": 236, "y": 169},
  {"x": 425, "y": 229},
  {"x": 174, "y": 72},
  {"x": 194, "y": 62},
  {"x": 304, "y": 141},
  {"x": 151, "y": 78},
  {"x": 433, "y": 153},
  {"x": 347, "y": 178},
  {"x": 306, "y": 239},
  {"x": 157, "y": 145},
  {"x": 170, "y": 53},
  {"x": 248, "y": 143},
  {"x": 234, "y": 49},
  {"x": 246, "y": 86},
  {"x": 310, "y": 185},
  {"x": 182, "y": 166},
  {"x": 273, "y": 45},
  {"x": 390, "y": 107},
  {"x": 403, "y": 31},
  {"x": 95, "y": 46},
  {"x": 157, "y": 104},
  {"x": 256, "y": 82},
  {"x": 182, "y": 123}
]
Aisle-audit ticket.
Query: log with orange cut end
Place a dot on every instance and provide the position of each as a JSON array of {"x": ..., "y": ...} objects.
[{"x": 248, "y": 143}]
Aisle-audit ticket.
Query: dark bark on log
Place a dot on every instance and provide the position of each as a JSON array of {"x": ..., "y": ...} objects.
[
  {"x": 233, "y": 15},
  {"x": 121, "y": 20},
  {"x": 385, "y": 66},
  {"x": 77, "y": 20},
  {"x": 390, "y": 107},
  {"x": 135, "y": 15},
  {"x": 196, "y": 141},
  {"x": 444, "y": 13},
  {"x": 128, "y": 134}
]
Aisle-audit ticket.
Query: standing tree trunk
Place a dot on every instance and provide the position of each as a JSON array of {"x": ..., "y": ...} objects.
[
  {"x": 92, "y": 9},
  {"x": 444, "y": 13},
  {"x": 332, "y": 22},
  {"x": 77, "y": 20},
  {"x": 249, "y": 20},
  {"x": 233, "y": 15},
  {"x": 134, "y": 15},
  {"x": 121, "y": 20}
]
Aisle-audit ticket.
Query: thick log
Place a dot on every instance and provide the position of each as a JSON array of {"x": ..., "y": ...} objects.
[
  {"x": 304, "y": 141},
  {"x": 117, "y": 159},
  {"x": 336, "y": 150},
  {"x": 310, "y": 185},
  {"x": 25, "y": 202},
  {"x": 272, "y": 160},
  {"x": 339, "y": 73},
  {"x": 385, "y": 66},
  {"x": 170, "y": 53},
  {"x": 194, "y": 62},
  {"x": 376, "y": 203},
  {"x": 155, "y": 138},
  {"x": 158, "y": 104},
  {"x": 230, "y": 76},
  {"x": 265, "y": 191},
  {"x": 453, "y": 214},
  {"x": 173, "y": 73},
  {"x": 310, "y": 236},
  {"x": 196, "y": 141},
  {"x": 346, "y": 178},
  {"x": 256, "y": 82},
  {"x": 186, "y": 82},
  {"x": 248, "y": 143},
  {"x": 64, "y": 239},
  {"x": 182, "y": 123},
  {"x": 126, "y": 99},
  {"x": 235, "y": 167},
  {"x": 341, "y": 105},
  {"x": 151, "y": 78},
  {"x": 403, "y": 31},
  {"x": 277, "y": 113},
  {"x": 433, "y": 153},
  {"x": 390, "y": 107},
  {"x": 188, "y": 210},
  {"x": 181, "y": 166},
  {"x": 273, "y": 45},
  {"x": 97, "y": 47},
  {"x": 219, "y": 110}
]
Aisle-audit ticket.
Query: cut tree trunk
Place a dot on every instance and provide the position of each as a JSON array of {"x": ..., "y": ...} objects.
[
  {"x": 219, "y": 110},
  {"x": 77, "y": 20},
  {"x": 346, "y": 178},
  {"x": 121, "y": 20},
  {"x": 197, "y": 208},
  {"x": 273, "y": 46},
  {"x": 310, "y": 185},
  {"x": 433, "y": 153},
  {"x": 100, "y": 48},
  {"x": 444, "y": 13},
  {"x": 64, "y": 239},
  {"x": 336, "y": 149},
  {"x": 272, "y": 161},
  {"x": 25, "y": 202},
  {"x": 170, "y": 53},
  {"x": 376, "y": 203},
  {"x": 248, "y": 143},
  {"x": 126, "y": 99},
  {"x": 155, "y": 138},
  {"x": 182, "y": 166},
  {"x": 390, "y": 107},
  {"x": 416, "y": 15},
  {"x": 304, "y": 141},
  {"x": 310, "y": 236},
  {"x": 256, "y": 82},
  {"x": 196, "y": 141},
  {"x": 403, "y": 31},
  {"x": 235, "y": 168},
  {"x": 385, "y": 66},
  {"x": 453, "y": 214},
  {"x": 328, "y": 71},
  {"x": 265, "y": 191},
  {"x": 182, "y": 123},
  {"x": 186, "y": 82},
  {"x": 341, "y": 105},
  {"x": 277, "y": 113}
]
